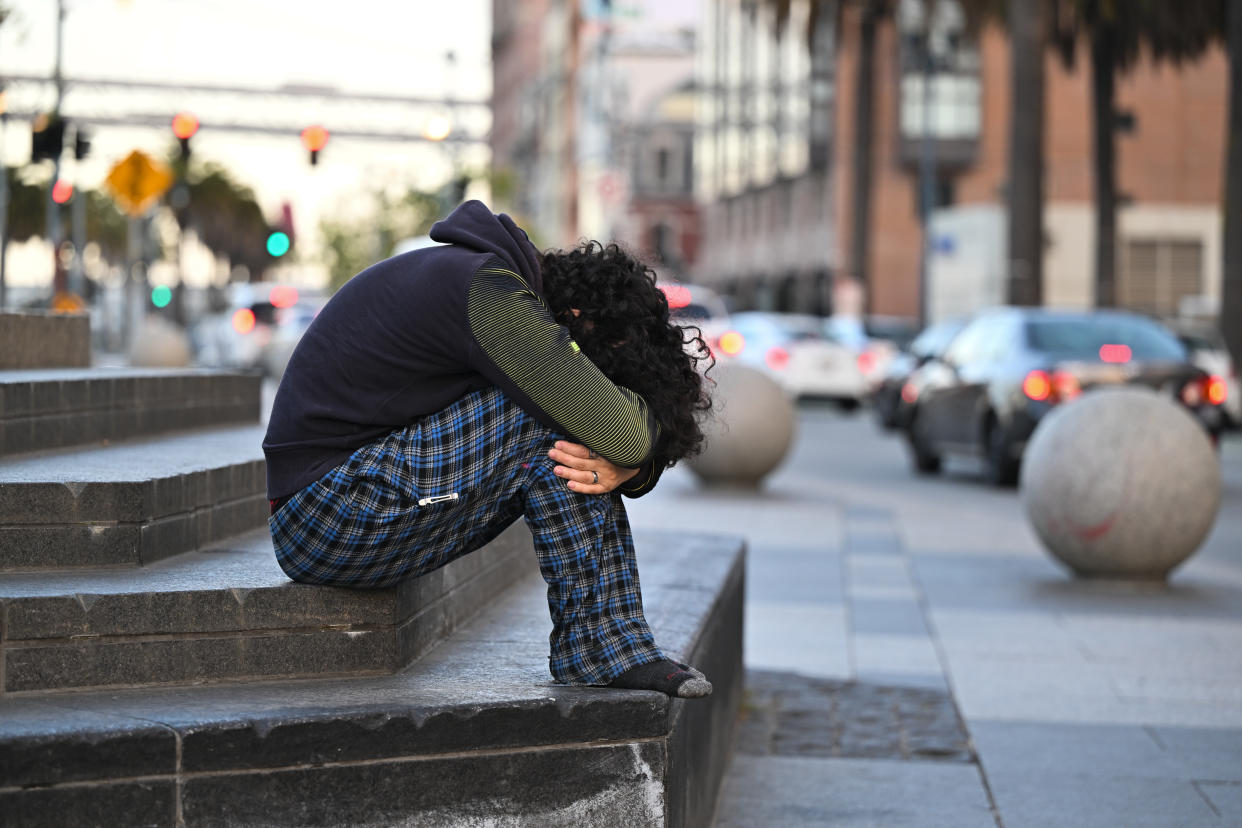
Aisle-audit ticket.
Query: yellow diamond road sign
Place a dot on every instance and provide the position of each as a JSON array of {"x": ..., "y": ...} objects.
[{"x": 137, "y": 181}]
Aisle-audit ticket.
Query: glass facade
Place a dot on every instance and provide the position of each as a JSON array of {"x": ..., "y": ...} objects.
[{"x": 766, "y": 99}]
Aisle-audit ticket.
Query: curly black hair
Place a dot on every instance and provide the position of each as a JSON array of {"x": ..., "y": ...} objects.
[{"x": 622, "y": 325}]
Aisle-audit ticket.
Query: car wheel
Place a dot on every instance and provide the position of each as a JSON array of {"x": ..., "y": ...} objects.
[
  {"x": 885, "y": 412},
  {"x": 925, "y": 460},
  {"x": 1000, "y": 464}
]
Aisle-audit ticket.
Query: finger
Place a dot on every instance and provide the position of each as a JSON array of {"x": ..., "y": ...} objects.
[
  {"x": 587, "y": 488},
  {"x": 586, "y": 477},
  {"x": 574, "y": 449},
  {"x": 572, "y": 460}
]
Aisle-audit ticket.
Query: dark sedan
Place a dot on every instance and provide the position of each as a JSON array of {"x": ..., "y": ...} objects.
[
  {"x": 1010, "y": 366},
  {"x": 890, "y": 410}
]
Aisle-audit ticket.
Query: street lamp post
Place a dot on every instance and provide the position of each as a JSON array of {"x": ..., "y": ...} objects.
[
  {"x": 927, "y": 165},
  {"x": 53, "y": 209}
]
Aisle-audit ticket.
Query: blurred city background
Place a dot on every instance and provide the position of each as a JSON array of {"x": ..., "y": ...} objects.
[
  {"x": 842, "y": 174},
  {"x": 925, "y": 225},
  {"x": 881, "y": 160}
]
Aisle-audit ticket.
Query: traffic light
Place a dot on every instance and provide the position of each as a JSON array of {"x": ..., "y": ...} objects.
[
  {"x": 280, "y": 238},
  {"x": 314, "y": 138},
  {"x": 47, "y": 138},
  {"x": 278, "y": 243},
  {"x": 62, "y": 191},
  {"x": 81, "y": 144},
  {"x": 184, "y": 125}
]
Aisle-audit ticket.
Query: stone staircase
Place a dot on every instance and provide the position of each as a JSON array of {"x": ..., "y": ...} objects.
[{"x": 157, "y": 667}]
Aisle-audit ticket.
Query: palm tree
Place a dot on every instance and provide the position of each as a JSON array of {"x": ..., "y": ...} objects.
[
  {"x": 1025, "y": 278},
  {"x": 227, "y": 218},
  {"x": 1231, "y": 281},
  {"x": 1118, "y": 34},
  {"x": 869, "y": 13}
]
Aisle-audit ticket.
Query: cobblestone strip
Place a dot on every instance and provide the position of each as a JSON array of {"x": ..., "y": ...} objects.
[{"x": 785, "y": 714}]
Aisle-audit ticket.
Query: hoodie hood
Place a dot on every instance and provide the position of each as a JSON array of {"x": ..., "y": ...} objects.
[{"x": 474, "y": 226}]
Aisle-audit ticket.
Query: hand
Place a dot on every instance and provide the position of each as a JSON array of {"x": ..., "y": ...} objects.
[{"x": 576, "y": 463}]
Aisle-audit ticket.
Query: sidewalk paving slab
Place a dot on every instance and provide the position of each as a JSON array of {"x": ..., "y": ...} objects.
[{"x": 852, "y": 793}]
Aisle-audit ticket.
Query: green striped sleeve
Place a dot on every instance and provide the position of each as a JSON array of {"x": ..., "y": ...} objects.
[{"x": 534, "y": 359}]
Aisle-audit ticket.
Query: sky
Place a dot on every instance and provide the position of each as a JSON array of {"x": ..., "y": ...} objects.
[{"x": 365, "y": 46}]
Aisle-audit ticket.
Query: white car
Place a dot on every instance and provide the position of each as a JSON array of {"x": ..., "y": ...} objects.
[
  {"x": 258, "y": 329},
  {"x": 792, "y": 349},
  {"x": 1208, "y": 351},
  {"x": 696, "y": 306},
  {"x": 875, "y": 341}
]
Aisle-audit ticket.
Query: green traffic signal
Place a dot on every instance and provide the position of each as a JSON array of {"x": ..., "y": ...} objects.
[
  {"x": 278, "y": 244},
  {"x": 161, "y": 295}
]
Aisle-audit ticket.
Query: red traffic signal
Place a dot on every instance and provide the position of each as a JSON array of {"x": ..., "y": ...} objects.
[
  {"x": 184, "y": 125},
  {"x": 314, "y": 138},
  {"x": 62, "y": 191}
]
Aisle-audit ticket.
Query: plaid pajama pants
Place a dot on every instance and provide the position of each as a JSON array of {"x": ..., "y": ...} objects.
[{"x": 444, "y": 486}]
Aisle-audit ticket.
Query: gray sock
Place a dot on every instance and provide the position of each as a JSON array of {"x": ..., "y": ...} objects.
[{"x": 665, "y": 676}]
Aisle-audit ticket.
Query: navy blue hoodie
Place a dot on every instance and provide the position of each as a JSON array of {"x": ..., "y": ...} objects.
[{"x": 410, "y": 335}]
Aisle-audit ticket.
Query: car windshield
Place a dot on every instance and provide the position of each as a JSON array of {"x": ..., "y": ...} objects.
[
  {"x": 692, "y": 312},
  {"x": 934, "y": 339},
  {"x": 1201, "y": 341},
  {"x": 1087, "y": 337},
  {"x": 896, "y": 330}
]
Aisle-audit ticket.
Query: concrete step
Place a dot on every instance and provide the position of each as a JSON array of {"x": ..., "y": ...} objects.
[
  {"x": 228, "y": 613},
  {"x": 473, "y": 733},
  {"x": 129, "y": 504},
  {"x": 43, "y": 339},
  {"x": 49, "y": 409}
]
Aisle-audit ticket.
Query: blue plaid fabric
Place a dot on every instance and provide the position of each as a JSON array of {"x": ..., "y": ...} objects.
[{"x": 427, "y": 494}]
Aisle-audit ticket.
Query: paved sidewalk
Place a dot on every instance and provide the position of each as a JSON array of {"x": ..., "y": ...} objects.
[{"x": 874, "y": 595}]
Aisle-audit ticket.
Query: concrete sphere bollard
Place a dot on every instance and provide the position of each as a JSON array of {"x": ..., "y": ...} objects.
[
  {"x": 1122, "y": 483},
  {"x": 159, "y": 344},
  {"x": 751, "y": 429}
]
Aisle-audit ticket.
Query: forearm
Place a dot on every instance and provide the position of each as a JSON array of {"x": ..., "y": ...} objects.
[{"x": 526, "y": 353}]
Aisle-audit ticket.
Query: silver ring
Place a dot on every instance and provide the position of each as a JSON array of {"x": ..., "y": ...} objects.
[{"x": 595, "y": 474}]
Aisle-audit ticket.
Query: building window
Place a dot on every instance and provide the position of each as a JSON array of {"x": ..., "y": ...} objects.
[
  {"x": 662, "y": 167},
  {"x": 1157, "y": 274}
]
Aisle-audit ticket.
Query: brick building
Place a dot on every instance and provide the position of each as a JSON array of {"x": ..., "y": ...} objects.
[
  {"x": 776, "y": 147},
  {"x": 594, "y": 123}
]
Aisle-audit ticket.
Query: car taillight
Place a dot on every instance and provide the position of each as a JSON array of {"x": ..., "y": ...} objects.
[
  {"x": 1217, "y": 390},
  {"x": 776, "y": 358},
  {"x": 732, "y": 343},
  {"x": 1115, "y": 353},
  {"x": 283, "y": 296},
  {"x": 1211, "y": 390},
  {"x": 1065, "y": 386},
  {"x": 866, "y": 362},
  {"x": 1055, "y": 387},
  {"x": 243, "y": 320},
  {"x": 1037, "y": 386}
]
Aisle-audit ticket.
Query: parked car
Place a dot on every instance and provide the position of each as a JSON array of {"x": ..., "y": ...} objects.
[
  {"x": 699, "y": 307},
  {"x": 890, "y": 409},
  {"x": 1008, "y": 367},
  {"x": 875, "y": 341},
  {"x": 1209, "y": 351},
  {"x": 694, "y": 304},
  {"x": 258, "y": 328},
  {"x": 792, "y": 349}
]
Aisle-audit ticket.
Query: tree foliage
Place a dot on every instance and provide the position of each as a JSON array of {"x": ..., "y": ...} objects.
[
  {"x": 27, "y": 216},
  {"x": 354, "y": 244},
  {"x": 226, "y": 217},
  {"x": 27, "y": 208},
  {"x": 1158, "y": 29}
]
